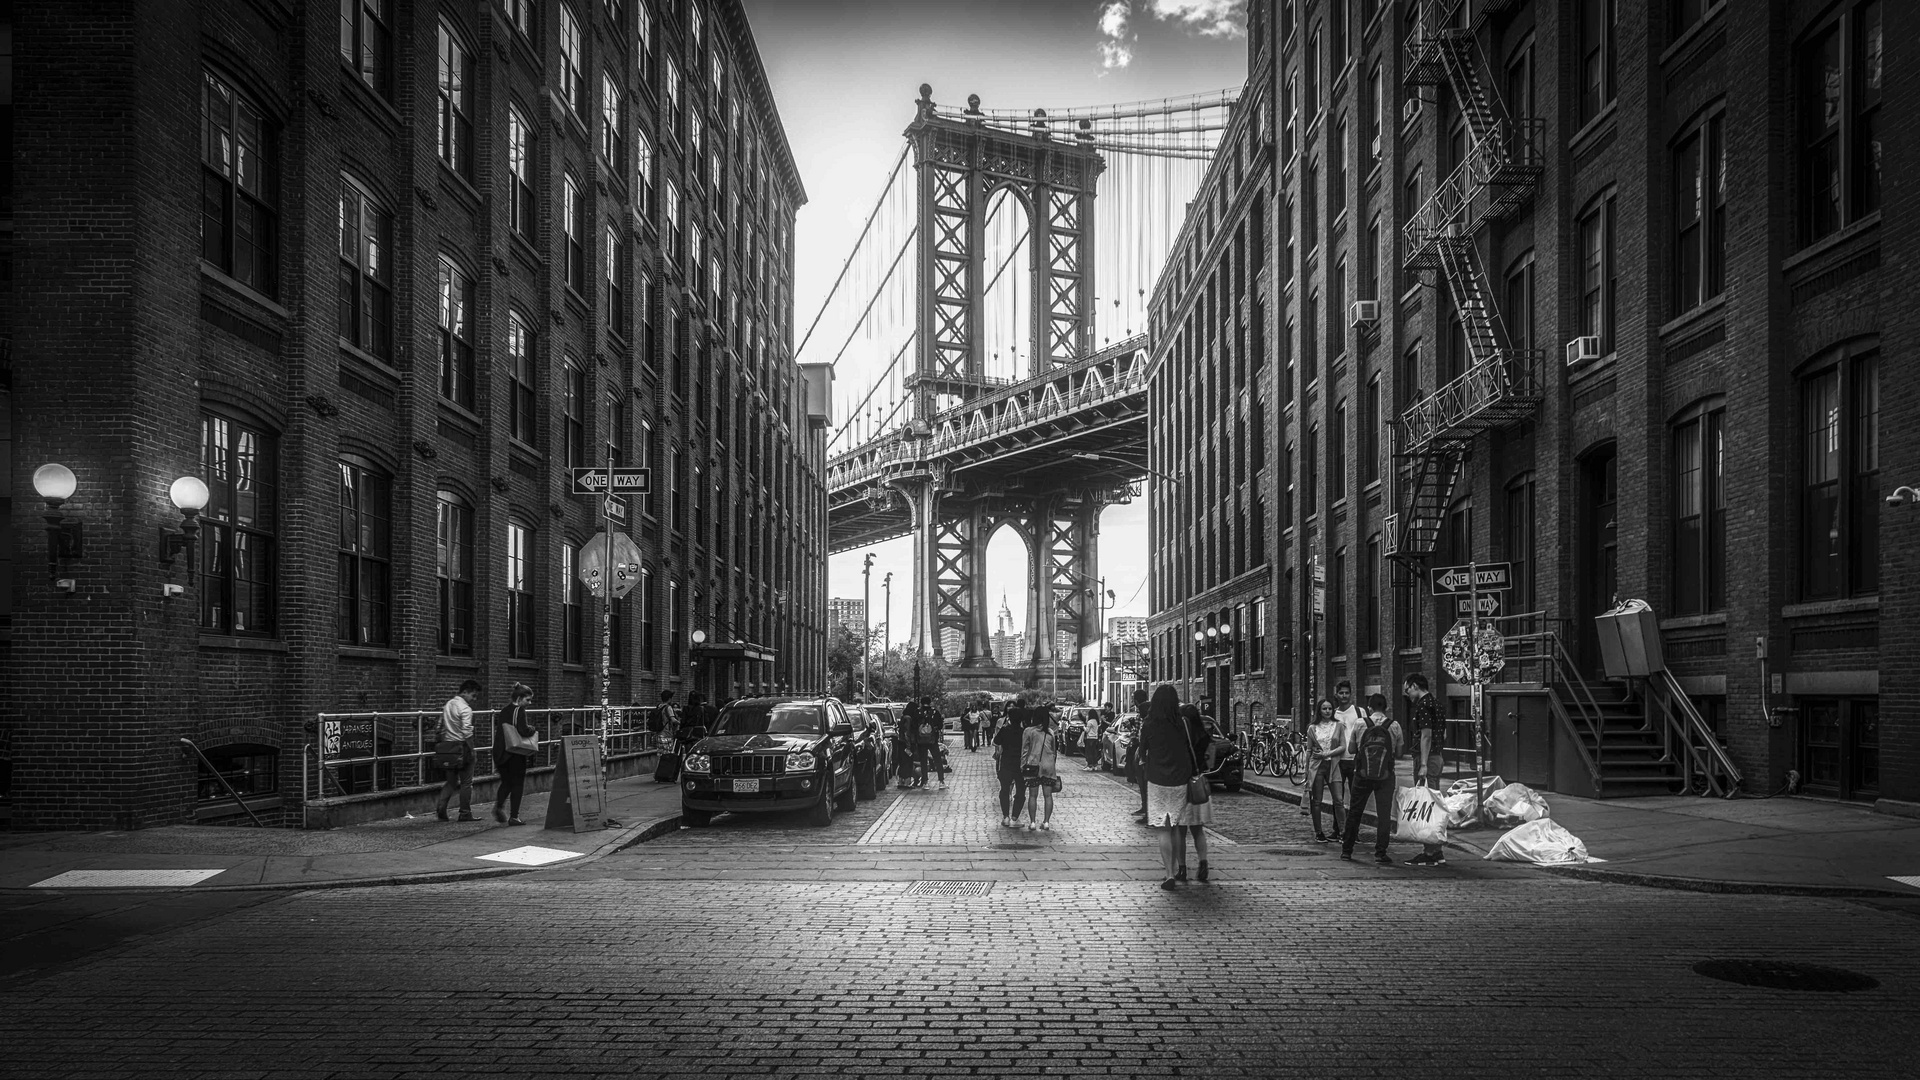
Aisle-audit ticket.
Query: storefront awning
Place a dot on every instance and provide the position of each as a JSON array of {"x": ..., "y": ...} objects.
[{"x": 732, "y": 651}]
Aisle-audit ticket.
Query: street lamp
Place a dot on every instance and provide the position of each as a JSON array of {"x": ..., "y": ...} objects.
[
  {"x": 866, "y": 626},
  {"x": 1186, "y": 596},
  {"x": 190, "y": 496},
  {"x": 56, "y": 484},
  {"x": 1901, "y": 494}
]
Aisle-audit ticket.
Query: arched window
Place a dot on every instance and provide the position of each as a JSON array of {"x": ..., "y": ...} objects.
[
  {"x": 366, "y": 270},
  {"x": 366, "y": 555},
  {"x": 456, "y": 334},
  {"x": 455, "y": 571},
  {"x": 237, "y": 228},
  {"x": 237, "y": 546}
]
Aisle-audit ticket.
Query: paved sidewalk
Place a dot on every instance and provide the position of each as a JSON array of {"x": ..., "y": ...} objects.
[
  {"x": 1783, "y": 845},
  {"x": 396, "y": 851}
]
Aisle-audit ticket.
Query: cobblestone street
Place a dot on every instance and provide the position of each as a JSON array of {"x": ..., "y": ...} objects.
[{"x": 841, "y": 956}]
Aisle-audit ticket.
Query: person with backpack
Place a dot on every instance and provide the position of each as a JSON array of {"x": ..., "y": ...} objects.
[
  {"x": 1008, "y": 743},
  {"x": 923, "y": 725},
  {"x": 1373, "y": 749}
]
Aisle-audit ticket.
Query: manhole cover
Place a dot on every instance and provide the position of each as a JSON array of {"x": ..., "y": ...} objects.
[
  {"x": 953, "y": 890},
  {"x": 1017, "y": 847},
  {"x": 1296, "y": 852},
  {"x": 1782, "y": 975}
]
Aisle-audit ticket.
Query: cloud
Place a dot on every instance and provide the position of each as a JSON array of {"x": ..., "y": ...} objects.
[
  {"x": 1208, "y": 18},
  {"x": 1116, "y": 45}
]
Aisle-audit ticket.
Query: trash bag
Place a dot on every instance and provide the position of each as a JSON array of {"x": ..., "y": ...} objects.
[
  {"x": 1541, "y": 842},
  {"x": 1515, "y": 804},
  {"x": 1459, "y": 807},
  {"x": 1488, "y": 785},
  {"x": 1418, "y": 816}
]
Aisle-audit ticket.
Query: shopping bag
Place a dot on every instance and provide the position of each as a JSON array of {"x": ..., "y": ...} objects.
[
  {"x": 1459, "y": 807},
  {"x": 1418, "y": 816},
  {"x": 1541, "y": 842}
]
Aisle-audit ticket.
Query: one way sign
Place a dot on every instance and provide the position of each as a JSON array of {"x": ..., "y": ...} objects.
[
  {"x": 591, "y": 481},
  {"x": 1489, "y": 605},
  {"x": 1485, "y": 577}
]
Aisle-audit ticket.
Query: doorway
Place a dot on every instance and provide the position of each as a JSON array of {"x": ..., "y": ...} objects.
[
  {"x": 1599, "y": 550},
  {"x": 1840, "y": 747}
]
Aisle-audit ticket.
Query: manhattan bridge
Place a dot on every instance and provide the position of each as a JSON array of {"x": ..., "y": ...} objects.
[{"x": 995, "y": 315}]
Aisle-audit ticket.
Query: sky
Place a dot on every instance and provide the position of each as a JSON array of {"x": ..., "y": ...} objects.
[{"x": 845, "y": 75}]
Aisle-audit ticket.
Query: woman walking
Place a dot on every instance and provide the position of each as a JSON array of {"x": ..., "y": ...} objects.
[
  {"x": 1327, "y": 745},
  {"x": 511, "y": 756},
  {"x": 1169, "y": 760},
  {"x": 1038, "y": 768}
]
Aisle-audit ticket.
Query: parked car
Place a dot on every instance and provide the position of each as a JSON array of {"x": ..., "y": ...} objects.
[
  {"x": 769, "y": 754},
  {"x": 1113, "y": 755},
  {"x": 1227, "y": 765},
  {"x": 880, "y": 734},
  {"x": 1073, "y": 726}
]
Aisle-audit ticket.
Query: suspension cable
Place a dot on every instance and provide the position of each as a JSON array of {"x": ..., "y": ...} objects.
[
  {"x": 878, "y": 380},
  {"x": 845, "y": 266},
  {"x": 878, "y": 290}
]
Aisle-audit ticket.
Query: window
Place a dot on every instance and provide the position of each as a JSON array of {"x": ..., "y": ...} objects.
[
  {"x": 1337, "y": 175},
  {"x": 616, "y": 291},
  {"x": 1699, "y": 566},
  {"x": 1376, "y": 105},
  {"x": 1337, "y": 604},
  {"x": 1370, "y": 421},
  {"x": 1410, "y": 209},
  {"x": 1519, "y": 307},
  {"x": 574, "y": 408},
  {"x": 1522, "y": 596},
  {"x": 247, "y": 769},
  {"x": 1337, "y": 312},
  {"x": 676, "y": 618},
  {"x": 573, "y": 223},
  {"x": 647, "y": 655},
  {"x": 1596, "y": 57},
  {"x": 236, "y": 188},
  {"x": 573, "y": 616},
  {"x": 643, "y": 45},
  {"x": 237, "y": 556},
  {"x": 519, "y": 590},
  {"x": 456, "y": 104},
  {"x": 455, "y": 570},
  {"x": 613, "y": 124},
  {"x": 1840, "y": 479},
  {"x": 522, "y": 419},
  {"x": 366, "y": 43},
  {"x": 1599, "y": 285},
  {"x": 1370, "y": 597},
  {"x": 366, "y": 271},
  {"x": 1337, "y": 454},
  {"x": 573, "y": 63},
  {"x": 1839, "y": 91},
  {"x": 1370, "y": 260},
  {"x": 1519, "y": 89},
  {"x": 674, "y": 115},
  {"x": 1699, "y": 215},
  {"x": 1310, "y": 474},
  {"x": 456, "y": 335},
  {"x": 366, "y": 556},
  {"x": 642, "y": 170},
  {"x": 521, "y": 14},
  {"x": 520, "y": 170},
  {"x": 1408, "y": 382}
]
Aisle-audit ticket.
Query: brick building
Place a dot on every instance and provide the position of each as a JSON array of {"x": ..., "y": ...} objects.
[
  {"x": 847, "y": 613},
  {"x": 382, "y": 275},
  {"x": 1605, "y": 290}
]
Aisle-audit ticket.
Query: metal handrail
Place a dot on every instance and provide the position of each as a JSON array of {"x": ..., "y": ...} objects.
[
  {"x": 234, "y": 795},
  {"x": 1695, "y": 737},
  {"x": 622, "y": 730}
]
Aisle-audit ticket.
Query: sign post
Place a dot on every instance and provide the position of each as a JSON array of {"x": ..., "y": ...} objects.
[
  {"x": 1472, "y": 653},
  {"x": 609, "y": 567}
]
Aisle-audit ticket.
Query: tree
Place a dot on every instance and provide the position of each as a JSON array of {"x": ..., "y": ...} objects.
[
  {"x": 843, "y": 661},
  {"x": 893, "y": 675}
]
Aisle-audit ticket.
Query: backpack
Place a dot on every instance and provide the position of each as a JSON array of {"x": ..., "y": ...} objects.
[
  {"x": 926, "y": 728},
  {"x": 1374, "y": 753}
]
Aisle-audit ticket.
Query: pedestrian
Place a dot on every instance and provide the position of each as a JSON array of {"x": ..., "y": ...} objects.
[
  {"x": 1170, "y": 759},
  {"x": 1097, "y": 725},
  {"x": 927, "y": 739},
  {"x": 1039, "y": 772},
  {"x": 1430, "y": 729},
  {"x": 694, "y": 721},
  {"x": 511, "y": 758},
  {"x": 969, "y": 726},
  {"x": 1327, "y": 750},
  {"x": 1007, "y": 744},
  {"x": 456, "y": 726},
  {"x": 1134, "y": 774},
  {"x": 1351, "y": 719},
  {"x": 1373, "y": 749},
  {"x": 665, "y": 725}
]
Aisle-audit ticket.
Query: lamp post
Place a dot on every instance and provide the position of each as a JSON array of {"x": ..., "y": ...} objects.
[
  {"x": 56, "y": 483},
  {"x": 1186, "y": 597},
  {"x": 886, "y": 624},
  {"x": 190, "y": 496},
  {"x": 866, "y": 627}
]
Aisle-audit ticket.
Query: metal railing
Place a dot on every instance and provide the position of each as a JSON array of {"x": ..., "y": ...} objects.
[
  {"x": 365, "y": 752},
  {"x": 1704, "y": 763},
  {"x": 220, "y": 776}
]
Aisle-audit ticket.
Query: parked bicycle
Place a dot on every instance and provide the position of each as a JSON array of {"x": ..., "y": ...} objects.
[{"x": 1272, "y": 752}]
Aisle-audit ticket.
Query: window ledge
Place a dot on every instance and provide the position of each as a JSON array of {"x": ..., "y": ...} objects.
[
  {"x": 1826, "y": 245},
  {"x": 1830, "y": 607},
  {"x": 524, "y": 450},
  {"x": 523, "y": 247},
  {"x": 1691, "y": 34},
  {"x": 465, "y": 663},
  {"x": 242, "y": 644},
  {"x": 460, "y": 186},
  {"x": 388, "y": 371},
  {"x": 521, "y": 663},
  {"x": 1688, "y": 622},
  {"x": 364, "y": 652},
  {"x": 1710, "y": 309},
  {"x": 1592, "y": 371},
  {"x": 243, "y": 291},
  {"x": 223, "y": 807},
  {"x": 461, "y": 413},
  {"x": 1590, "y": 131},
  {"x": 379, "y": 108}
]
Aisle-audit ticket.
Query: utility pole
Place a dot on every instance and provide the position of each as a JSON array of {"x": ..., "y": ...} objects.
[
  {"x": 886, "y": 631},
  {"x": 866, "y": 626}
]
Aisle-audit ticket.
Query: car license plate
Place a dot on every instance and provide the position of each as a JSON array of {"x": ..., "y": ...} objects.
[{"x": 746, "y": 785}]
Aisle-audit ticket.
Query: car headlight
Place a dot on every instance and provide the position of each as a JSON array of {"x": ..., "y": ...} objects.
[
  {"x": 800, "y": 762},
  {"x": 696, "y": 763}
]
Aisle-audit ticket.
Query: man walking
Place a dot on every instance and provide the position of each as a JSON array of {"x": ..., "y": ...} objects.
[
  {"x": 1373, "y": 751},
  {"x": 1137, "y": 775},
  {"x": 1006, "y": 758},
  {"x": 923, "y": 725},
  {"x": 1351, "y": 719},
  {"x": 456, "y": 725},
  {"x": 1430, "y": 731}
]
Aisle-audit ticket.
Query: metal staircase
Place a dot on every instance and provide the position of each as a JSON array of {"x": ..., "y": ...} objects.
[{"x": 1501, "y": 385}]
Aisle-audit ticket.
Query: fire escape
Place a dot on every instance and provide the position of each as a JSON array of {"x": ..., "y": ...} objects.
[{"x": 1501, "y": 385}]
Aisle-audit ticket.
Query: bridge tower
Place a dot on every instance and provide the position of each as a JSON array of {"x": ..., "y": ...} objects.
[{"x": 961, "y": 164}]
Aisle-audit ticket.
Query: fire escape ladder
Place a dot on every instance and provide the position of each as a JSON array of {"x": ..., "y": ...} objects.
[{"x": 1430, "y": 481}]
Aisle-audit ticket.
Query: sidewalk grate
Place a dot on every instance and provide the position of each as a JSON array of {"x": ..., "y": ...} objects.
[
  {"x": 950, "y": 890},
  {"x": 1786, "y": 975},
  {"x": 530, "y": 855},
  {"x": 126, "y": 879},
  {"x": 1297, "y": 852},
  {"x": 1913, "y": 880}
]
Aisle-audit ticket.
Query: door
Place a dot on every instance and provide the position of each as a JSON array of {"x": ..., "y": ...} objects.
[
  {"x": 1840, "y": 747},
  {"x": 1599, "y": 554}
]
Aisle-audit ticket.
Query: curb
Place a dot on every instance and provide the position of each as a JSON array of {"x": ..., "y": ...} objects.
[{"x": 1630, "y": 877}]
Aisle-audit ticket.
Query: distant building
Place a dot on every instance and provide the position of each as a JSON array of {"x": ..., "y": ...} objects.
[
  {"x": 847, "y": 612},
  {"x": 953, "y": 642},
  {"x": 1009, "y": 647},
  {"x": 1126, "y": 629}
]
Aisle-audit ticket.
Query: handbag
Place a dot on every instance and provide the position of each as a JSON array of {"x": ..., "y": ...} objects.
[
  {"x": 1199, "y": 789},
  {"x": 450, "y": 755},
  {"x": 521, "y": 745}
]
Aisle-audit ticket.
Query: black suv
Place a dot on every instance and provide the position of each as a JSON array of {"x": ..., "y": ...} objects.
[{"x": 770, "y": 754}]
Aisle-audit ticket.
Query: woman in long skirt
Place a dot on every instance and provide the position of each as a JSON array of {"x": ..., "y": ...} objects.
[{"x": 1167, "y": 757}]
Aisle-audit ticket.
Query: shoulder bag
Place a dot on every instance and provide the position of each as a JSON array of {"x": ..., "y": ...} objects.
[
  {"x": 517, "y": 744},
  {"x": 1199, "y": 789}
]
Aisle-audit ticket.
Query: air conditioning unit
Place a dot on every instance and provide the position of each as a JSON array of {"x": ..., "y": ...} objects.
[
  {"x": 1366, "y": 312},
  {"x": 1582, "y": 349},
  {"x": 1409, "y": 111}
]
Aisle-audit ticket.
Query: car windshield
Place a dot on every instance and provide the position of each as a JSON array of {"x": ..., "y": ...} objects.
[{"x": 772, "y": 718}]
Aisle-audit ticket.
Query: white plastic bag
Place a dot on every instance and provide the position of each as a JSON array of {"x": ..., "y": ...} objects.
[
  {"x": 1515, "y": 804},
  {"x": 1488, "y": 785},
  {"x": 1540, "y": 842},
  {"x": 1459, "y": 807},
  {"x": 1418, "y": 816}
]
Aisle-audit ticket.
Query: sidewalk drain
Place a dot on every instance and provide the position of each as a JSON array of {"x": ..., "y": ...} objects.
[
  {"x": 1296, "y": 852},
  {"x": 1783, "y": 975},
  {"x": 951, "y": 890},
  {"x": 1016, "y": 847}
]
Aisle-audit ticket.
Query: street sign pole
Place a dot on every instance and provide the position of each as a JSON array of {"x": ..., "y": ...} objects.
[{"x": 1473, "y": 635}]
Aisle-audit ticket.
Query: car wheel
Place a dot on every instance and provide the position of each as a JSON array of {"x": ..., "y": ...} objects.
[
  {"x": 821, "y": 815},
  {"x": 695, "y": 819},
  {"x": 1232, "y": 785},
  {"x": 865, "y": 783},
  {"x": 847, "y": 798}
]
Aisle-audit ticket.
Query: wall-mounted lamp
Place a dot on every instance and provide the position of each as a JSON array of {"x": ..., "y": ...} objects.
[
  {"x": 1199, "y": 636},
  {"x": 189, "y": 496},
  {"x": 699, "y": 637},
  {"x": 1902, "y": 494},
  {"x": 55, "y": 483}
]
